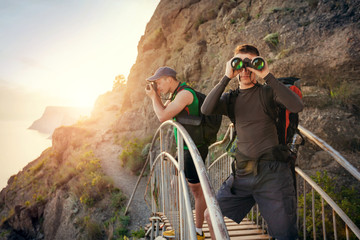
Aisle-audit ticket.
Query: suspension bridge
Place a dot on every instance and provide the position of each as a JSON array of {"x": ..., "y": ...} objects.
[{"x": 169, "y": 199}]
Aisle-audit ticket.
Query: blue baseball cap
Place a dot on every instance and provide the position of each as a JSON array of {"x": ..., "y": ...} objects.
[{"x": 161, "y": 72}]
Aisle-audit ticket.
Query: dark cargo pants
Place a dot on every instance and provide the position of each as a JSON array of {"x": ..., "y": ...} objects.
[{"x": 272, "y": 188}]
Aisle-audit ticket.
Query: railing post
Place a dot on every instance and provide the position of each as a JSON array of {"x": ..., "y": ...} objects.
[
  {"x": 334, "y": 224},
  {"x": 323, "y": 217},
  {"x": 152, "y": 187},
  {"x": 162, "y": 148},
  {"x": 313, "y": 212},
  {"x": 304, "y": 217},
  {"x": 297, "y": 200},
  {"x": 257, "y": 214},
  {"x": 180, "y": 149},
  {"x": 152, "y": 230}
]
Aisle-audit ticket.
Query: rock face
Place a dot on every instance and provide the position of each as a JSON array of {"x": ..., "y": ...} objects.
[
  {"x": 317, "y": 41},
  {"x": 57, "y": 217},
  {"x": 56, "y": 116}
]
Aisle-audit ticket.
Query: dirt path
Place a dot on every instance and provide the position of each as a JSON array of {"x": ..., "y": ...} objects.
[{"x": 139, "y": 211}]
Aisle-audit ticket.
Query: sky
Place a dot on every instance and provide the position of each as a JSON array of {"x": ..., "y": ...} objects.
[{"x": 65, "y": 52}]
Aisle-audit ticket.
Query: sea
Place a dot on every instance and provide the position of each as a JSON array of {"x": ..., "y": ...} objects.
[{"x": 19, "y": 146}]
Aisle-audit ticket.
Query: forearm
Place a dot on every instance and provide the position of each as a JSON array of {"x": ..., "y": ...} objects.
[
  {"x": 284, "y": 95},
  {"x": 159, "y": 108},
  {"x": 213, "y": 98}
]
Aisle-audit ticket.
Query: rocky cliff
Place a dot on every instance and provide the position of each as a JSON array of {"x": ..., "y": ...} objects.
[
  {"x": 56, "y": 116},
  {"x": 316, "y": 40}
]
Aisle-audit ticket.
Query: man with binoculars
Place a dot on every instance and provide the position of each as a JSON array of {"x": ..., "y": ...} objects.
[
  {"x": 164, "y": 81},
  {"x": 261, "y": 173}
]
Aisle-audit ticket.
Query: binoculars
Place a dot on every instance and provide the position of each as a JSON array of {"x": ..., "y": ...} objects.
[
  {"x": 153, "y": 85},
  {"x": 257, "y": 63}
]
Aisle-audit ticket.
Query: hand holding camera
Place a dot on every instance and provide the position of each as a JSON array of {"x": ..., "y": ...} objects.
[{"x": 149, "y": 86}]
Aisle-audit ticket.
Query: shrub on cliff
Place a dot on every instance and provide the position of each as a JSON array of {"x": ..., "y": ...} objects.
[{"x": 134, "y": 153}]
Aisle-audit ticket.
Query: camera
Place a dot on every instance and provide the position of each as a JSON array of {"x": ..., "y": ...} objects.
[
  {"x": 153, "y": 85},
  {"x": 257, "y": 63}
]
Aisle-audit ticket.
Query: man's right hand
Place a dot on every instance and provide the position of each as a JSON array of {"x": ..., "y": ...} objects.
[
  {"x": 150, "y": 91},
  {"x": 229, "y": 71}
]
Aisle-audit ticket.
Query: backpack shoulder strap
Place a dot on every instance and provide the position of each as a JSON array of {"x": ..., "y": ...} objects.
[
  {"x": 267, "y": 101},
  {"x": 182, "y": 87},
  {"x": 177, "y": 90},
  {"x": 230, "y": 102}
]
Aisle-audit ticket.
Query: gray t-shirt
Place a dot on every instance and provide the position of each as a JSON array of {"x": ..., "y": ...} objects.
[{"x": 256, "y": 131}]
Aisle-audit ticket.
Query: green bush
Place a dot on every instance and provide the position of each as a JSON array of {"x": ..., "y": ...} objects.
[
  {"x": 138, "y": 234},
  {"x": 118, "y": 199},
  {"x": 134, "y": 153},
  {"x": 272, "y": 39},
  {"x": 90, "y": 184},
  {"x": 341, "y": 94},
  {"x": 346, "y": 197},
  {"x": 91, "y": 228},
  {"x": 121, "y": 223},
  {"x": 94, "y": 230}
]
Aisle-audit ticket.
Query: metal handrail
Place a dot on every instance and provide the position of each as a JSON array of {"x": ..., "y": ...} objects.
[
  {"x": 215, "y": 214},
  {"x": 189, "y": 216},
  {"x": 335, "y": 154},
  {"x": 331, "y": 202},
  {"x": 218, "y": 159},
  {"x": 228, "y": 134},
  {"x": 214, "y": 211}
]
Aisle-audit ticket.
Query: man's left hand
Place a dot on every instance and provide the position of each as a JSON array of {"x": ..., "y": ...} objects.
[{"x": 260, "y": 73}]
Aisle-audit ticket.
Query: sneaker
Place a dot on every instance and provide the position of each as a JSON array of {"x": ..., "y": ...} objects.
[
  {"x": 200, "y": 237},
  {"x": 169, "y": 234}
]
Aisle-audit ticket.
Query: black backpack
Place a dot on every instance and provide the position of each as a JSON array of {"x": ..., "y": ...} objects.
[
  {"x": 286, "y": 122},
  {"x": 202, "y": 128}
]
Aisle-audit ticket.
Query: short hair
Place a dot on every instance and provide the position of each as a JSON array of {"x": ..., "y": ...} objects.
[{"x": 246, "y": 48}]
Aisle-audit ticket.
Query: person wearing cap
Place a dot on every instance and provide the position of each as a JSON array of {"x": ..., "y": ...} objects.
[{"x": 166, "y": 82}]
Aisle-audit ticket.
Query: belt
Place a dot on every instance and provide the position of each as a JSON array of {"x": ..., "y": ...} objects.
[{"x": 246, "y": 165}]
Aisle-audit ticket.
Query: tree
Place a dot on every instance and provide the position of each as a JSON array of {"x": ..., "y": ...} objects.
[{"x": 119, "y": 82}]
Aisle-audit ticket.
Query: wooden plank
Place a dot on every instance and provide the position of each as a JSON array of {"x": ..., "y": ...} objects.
[
  {"x": 235, "y": 233},
  {"x": 254, "y": 237},
  {"x": 246, "y": 230},
  {"x": 231, "y": 223},
  {"x": 235, "y": 227}
]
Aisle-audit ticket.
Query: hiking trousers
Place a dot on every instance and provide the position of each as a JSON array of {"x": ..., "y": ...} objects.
[{"x": 272, "y": 189}]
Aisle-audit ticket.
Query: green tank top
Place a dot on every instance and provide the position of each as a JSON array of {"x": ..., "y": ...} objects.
[{"x": 192, "y": 109}]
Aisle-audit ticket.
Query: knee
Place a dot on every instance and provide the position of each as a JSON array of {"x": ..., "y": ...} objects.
[{"x": 197, "y": 191}]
